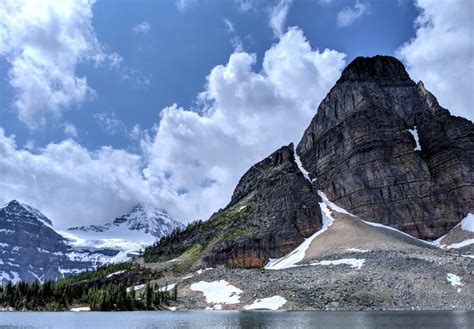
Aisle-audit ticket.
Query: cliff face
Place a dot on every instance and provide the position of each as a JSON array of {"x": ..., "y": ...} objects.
[
  {"x": 284, "y": 210},
  {"x": 361, "y": 149}
]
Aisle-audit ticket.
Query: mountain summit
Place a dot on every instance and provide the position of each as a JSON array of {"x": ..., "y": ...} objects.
[
  {"x": 31, "y": 249},
  {"x": 143, "y": 222},
  {"x": 383, "y": 148}
]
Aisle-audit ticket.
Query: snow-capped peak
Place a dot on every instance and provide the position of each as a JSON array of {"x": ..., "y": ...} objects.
[
  {"x": 19, "y": 210},
  {"x": 154, "y": 221},
  {"x": 143, "y": 220}
]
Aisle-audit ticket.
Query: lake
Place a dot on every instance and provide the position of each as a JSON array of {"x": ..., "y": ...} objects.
[{"x": 237, "y": 319}]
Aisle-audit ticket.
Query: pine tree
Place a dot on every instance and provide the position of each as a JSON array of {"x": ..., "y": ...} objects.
[{"x": 148, "y": 296}]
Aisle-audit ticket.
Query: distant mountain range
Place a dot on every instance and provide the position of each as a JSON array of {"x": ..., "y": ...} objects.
[{"x": 33, "y": 249}]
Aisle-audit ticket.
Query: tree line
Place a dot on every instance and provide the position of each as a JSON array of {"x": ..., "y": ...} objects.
[{"x": 105, "y": 296}]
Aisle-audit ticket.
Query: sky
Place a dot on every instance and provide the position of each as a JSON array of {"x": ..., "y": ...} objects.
[{"x": 105, "y": 104}]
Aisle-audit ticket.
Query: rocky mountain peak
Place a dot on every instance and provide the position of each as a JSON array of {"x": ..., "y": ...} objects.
[
  {"x": 377, "y": 68},
  {"x": 23, "y": 211},
  {"x": 383, "y": 148},
  {"x": 283, "y": 158}
]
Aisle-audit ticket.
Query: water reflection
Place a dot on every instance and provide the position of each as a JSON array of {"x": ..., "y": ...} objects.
[{"x": 236, "y": 319}]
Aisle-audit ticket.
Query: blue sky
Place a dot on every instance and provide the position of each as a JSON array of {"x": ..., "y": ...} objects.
[
  {"x": 181, "y": 47},
  {"x": 88, "y": 121}
]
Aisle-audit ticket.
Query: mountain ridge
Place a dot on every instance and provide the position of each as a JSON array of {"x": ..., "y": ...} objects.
[{"x": 33, "y": 249}]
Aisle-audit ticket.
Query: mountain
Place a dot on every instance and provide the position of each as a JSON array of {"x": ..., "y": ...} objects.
[
  {"x": 33, "y": 249},
  {"x": 382, "y": 147},
  {"x": 364, "y": 214},
  {"x": 273, "y": 209},
  {"x": 372, "y": 210},
  {"x": 379, "y": 146},
  {"x": 151, "y": 224}
]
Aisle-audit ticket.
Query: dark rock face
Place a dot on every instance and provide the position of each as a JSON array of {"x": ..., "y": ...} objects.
[
  {"x": 361, "y": 153},
  {"x": 286, "y": 211},
  {"x": 30, "y": 248}
]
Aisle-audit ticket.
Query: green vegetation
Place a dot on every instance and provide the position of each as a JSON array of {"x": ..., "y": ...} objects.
[
  {"x": 88, "y": 288},
  {"x": 199, "y": 235}
]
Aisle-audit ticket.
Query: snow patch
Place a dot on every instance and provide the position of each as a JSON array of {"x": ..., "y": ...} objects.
[
  {"x": 270, "y": 303},
  {"x": 203, "y": 270},
  {"x": 168, "y": 287},
  {"x": 332, "y": 206},
  {"x": 358, "y": 250},
  {"x": 459, "y": 244},
  {"x": 187, "y": 277},
  {"x": 356, "y": 263},
  {"x": 294, "y": 257},
  {"x": 135, "y": 288},
  {"x": 298, "y": 254},
  {"x": 115, "y": 273},
  {"x": 80, "y": 309},
  {"x": 300, "y": 166},
  {"x": 454, "y": 280},
  {"x": 395, "y": 230},
  {"x": 218, "y": 292},
  {"x": 414, "y": 133},
  {"x": 467, "y": 224}
]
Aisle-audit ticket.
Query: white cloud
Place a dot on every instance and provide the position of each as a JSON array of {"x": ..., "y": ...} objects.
[
  {"x": 70, "y": 130},
  {"x": 348, "y": 15},
  {"x": 71, "y": 185},
  {"x": 442, "y": 53},
  {"x": 143, "y": 27},
  {"x": 43, "y": 42},
  {"x": 278, "y": 15},
  {"x": 235, "y": 39},
  {"x": 182, "y": 5},
  {"x": 192, "y": 160},
  {"x": 229, "y": 26},
  {"x": 245, "y": 115},
  {"x": 110, "y": 123},
  {"x": 245, "y": 5}
]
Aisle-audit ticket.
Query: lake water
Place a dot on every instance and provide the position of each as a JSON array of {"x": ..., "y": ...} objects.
[{"x": 237, "y": 319}]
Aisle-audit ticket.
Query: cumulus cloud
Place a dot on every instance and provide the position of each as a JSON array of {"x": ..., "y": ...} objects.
[
  {"x": 191, "y": 161},
  {"x": 348, "y": 15},
  {"x": 442, "y": 53},
  {"x": 277, "y": 16},
  {"x": 43, "y": 42},
  {"x": 195, "y": 158},
  {"x": 143, "y": 27},
  {"x": 70, "y": 130},
  {"x": 69, "y": 183}
]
